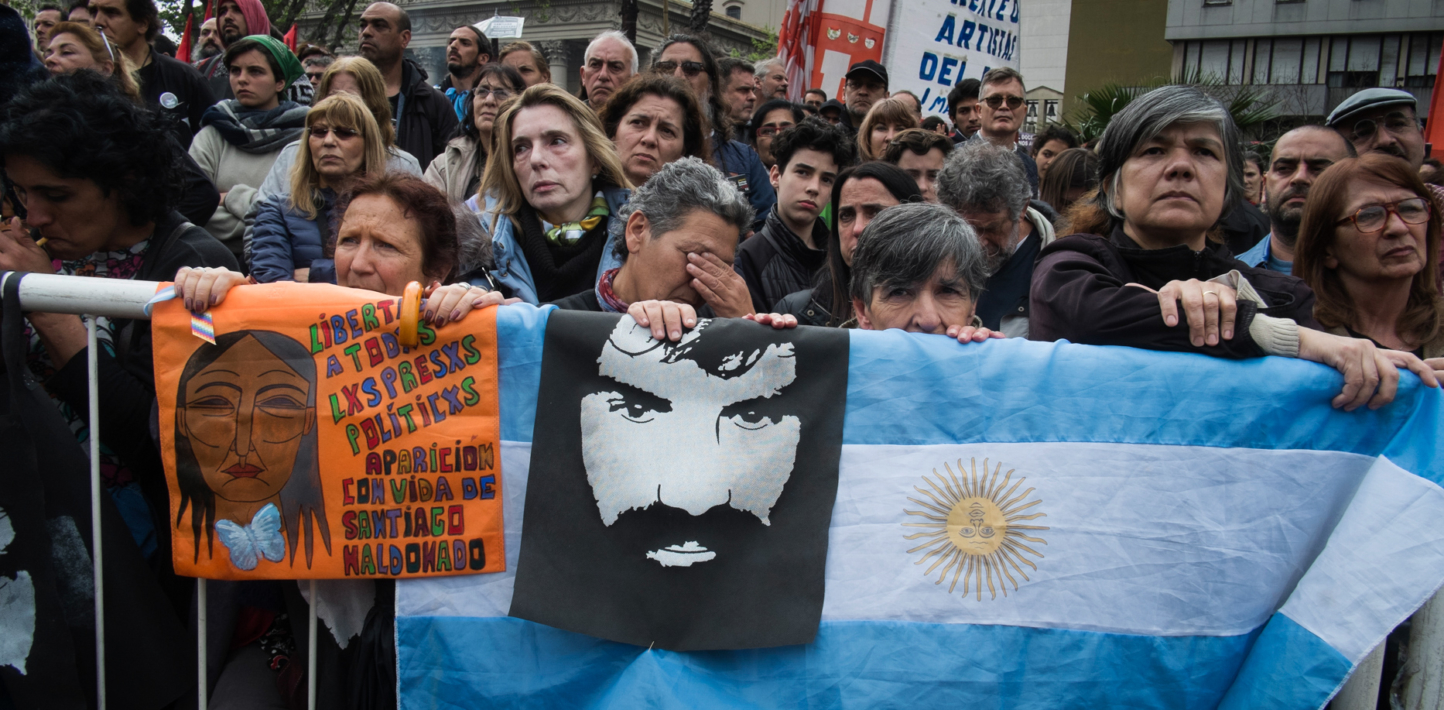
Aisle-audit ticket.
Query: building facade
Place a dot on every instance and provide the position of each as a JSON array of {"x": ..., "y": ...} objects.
[
  {"x": 1310, "y": 54},
  {"x": 1115, "y": 41},
  {"x": 1044, "y": 59}
]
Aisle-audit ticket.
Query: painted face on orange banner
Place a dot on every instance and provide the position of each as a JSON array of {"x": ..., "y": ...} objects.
[{"x": 245, "y": 416}]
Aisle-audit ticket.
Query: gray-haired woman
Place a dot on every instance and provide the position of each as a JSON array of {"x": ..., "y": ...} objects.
[
  {"x": 676, "y": 239},
  {"x": 1169, "y": 163}
]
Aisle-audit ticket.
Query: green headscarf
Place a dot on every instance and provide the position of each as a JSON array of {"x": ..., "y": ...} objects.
[{"x": 290, "y": 66}]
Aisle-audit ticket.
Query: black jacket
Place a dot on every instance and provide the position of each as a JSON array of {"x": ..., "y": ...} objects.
[
  {"x": 803, "y": 306},
  {"x": 1080, "y": 294},
  {"x": 775, "y": 262},
  {"x": 189, "y": 95},
  {"x": 1245, "y": 226},
  {"x": 427, "y": 116},
  {"x": 584, "y": 301}
]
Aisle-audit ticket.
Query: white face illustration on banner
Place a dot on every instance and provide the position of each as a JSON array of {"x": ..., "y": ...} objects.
[
  {"x": 682, "y": 435},
  {"x": 17, "y": 599}
]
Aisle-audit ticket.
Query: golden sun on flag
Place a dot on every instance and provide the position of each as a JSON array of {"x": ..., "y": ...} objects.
[{"x": 975, "y": 528}]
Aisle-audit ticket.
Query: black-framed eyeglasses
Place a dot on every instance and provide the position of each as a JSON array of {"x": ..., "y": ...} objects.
[
  {"x": 688, "y": 68},
  {"x": 1373, "y": 218},
  {"x": 996, "y": 101},
  {"x": 501, "y": 93},
  {"x": 341, "y": 133},
  {"x": 1393, "y": 122}
]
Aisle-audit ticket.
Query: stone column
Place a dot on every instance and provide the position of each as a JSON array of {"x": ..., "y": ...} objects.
[{"x": 556, "y": 52}]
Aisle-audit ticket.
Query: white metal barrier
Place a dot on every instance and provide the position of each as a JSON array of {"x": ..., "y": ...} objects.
[
  {"x": 115, "y": 298},
  {"x": 118, "y": 298}
]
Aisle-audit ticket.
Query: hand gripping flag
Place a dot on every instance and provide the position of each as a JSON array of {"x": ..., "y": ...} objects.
[{"x": 1015, "y": 524}]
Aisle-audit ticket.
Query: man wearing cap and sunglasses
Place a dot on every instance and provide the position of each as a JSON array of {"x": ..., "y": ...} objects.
[
  {"x": 1384, "y": 121},
  {"x": 866, "y": 84},
  {"x": 1000, "y": 103}
]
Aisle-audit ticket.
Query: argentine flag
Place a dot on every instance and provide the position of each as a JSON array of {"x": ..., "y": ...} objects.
[{"x": 1021, "y": 525}]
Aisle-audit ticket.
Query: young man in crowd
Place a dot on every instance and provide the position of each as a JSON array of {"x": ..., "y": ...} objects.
[
  {"x": 865, "y": 84},
  {"x": 79, "y": 12},
  {"x": 423, "y": 116},
  {"x": 234, "y": 19},
  {"x": 791, "y": 246},
  {"x": 921, "y": 154},
  {"x": 46, "y": 18},
  {"x": 467, "y": 51},
  {"x": 609, "y": 62},
  {"x": 1298, "y": 158},
  {"x": 815, "y": 98},
  {"x": 985, "y": 184},
  {"x": 209, "y": 44},
  {"x": 963, "y": 109},
  {"x": 167, "y": 82},
  {"x": 1000, "y": 103},
  {"x": 240, "y": 138},
  {"x": 771, "y": 79},
  {"x": 739, "y": 94}
]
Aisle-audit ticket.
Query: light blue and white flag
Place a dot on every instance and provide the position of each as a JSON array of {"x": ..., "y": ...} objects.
[{"x": 1022, "y": 525}]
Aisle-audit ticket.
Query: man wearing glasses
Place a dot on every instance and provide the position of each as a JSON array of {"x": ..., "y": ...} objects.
[
  {"x": 1000, "y": 103},
  {"x": 866, "y": 85},
  {"x": 1383, "y": 120}
]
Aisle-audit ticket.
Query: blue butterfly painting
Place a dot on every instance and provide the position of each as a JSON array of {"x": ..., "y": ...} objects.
[{"x": 249, "y": 543}]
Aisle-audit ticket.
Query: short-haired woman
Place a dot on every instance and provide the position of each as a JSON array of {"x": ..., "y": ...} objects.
[
  {"x": 342, "y": 142},
  {"x": 1369, "y": 236},
  {"x": 457, "y": 170},
  {"x": 883, "y": 122},
  {"x": 653, "y": 120},
  {"x": 1076, "y": 174},
  {"x": 550, "y": 193},
  {"x": 1169, "y": 163}
]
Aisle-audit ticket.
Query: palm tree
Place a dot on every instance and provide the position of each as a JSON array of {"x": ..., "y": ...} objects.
[{"x": 1252, "y": 107}]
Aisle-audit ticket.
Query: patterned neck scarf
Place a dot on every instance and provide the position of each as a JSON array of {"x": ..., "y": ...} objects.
[
  {"x": 606, "y": 296},
  {"x": 565, "y": 235}
]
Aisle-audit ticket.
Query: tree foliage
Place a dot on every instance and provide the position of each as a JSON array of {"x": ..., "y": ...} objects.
[
  {"x": 336, "y": 26},
  {"x": 1253, "y": 108}
]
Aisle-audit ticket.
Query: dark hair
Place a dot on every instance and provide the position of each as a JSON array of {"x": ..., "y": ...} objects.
[
  {"x": 1073, "y": 168},
  {"x": 419, "y": 201},
  {"x": 962, "y": 91},
  {"x": 815, "y": 91},
  {"x": 768, "y": 107},
  {"x": 1054, "y": 132},
  {"x": 812, "y": 134},
  {"x": 1250, "y": 156},
  {"x": 727, "y": 65},
  {"x": 715, "y": 110},
  {"x": 80, "y": 125},
  {"x": 313, "y": 50},
  {"x": 303, "y": 508},
  {"x": 917, "y": 141},
  {"x": 47, "y": 7},
  {"x": 403, "y": 20},
  {"x": 695, "y": 126},
  {"x": 78, "y": 5},
  {"x": 509, "y": 76},
  {"x": 145, "y": 11},
  {"x": 246, "y": 44},
  {"x": 931, "y": 123},
  {"x": 833, "y": 281},
  {"x": 1334, "y": 306}
]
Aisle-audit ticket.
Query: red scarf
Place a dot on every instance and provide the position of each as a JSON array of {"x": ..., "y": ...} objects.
[{"x": 606, "y": 296}]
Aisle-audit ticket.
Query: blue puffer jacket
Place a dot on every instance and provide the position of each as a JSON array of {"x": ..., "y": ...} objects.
[
  {"x": 737, "y": 160},
  {"x": 511, "y": 268},
  {"x": 285, "y": 240}
]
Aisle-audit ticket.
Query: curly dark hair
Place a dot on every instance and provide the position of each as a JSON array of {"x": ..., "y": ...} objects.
[
  {"x": 696, "y": 129},
  {"x": 813, "y": 134},
  {"x": 81, "y": 126},
  {"x": 147, "y": 12},
  {"x": 419, "y": 201}
]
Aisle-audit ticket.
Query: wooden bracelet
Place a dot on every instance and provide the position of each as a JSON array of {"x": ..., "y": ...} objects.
[{"x": 410, "y": 315}]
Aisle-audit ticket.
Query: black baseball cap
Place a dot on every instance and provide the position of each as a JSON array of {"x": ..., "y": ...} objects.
[{"x": 868, "y": 67}]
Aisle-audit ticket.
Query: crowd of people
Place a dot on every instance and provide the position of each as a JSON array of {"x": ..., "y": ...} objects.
[{"x": 696, "y": 186}]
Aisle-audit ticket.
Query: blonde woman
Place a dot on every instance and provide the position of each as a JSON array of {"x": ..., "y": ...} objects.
[
  {"x": 341, "y": 143},
  {"x": 550, "y": 195},
  {"x": 884, "y": 121},
  {"x": 74, "y": 46}
]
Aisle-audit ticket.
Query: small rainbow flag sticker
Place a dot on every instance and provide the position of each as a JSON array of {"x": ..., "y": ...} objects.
[{"x": 203, "y": 327}]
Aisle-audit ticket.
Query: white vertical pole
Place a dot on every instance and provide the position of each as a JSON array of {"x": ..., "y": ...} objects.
[
  {"x": 201, "y": 643},
  {"x": 1362, "y": 690},
  {"x": 1424, "y": 685},
  {"x": 91, "y": 358},
  {"x": 311, "y": 652}
]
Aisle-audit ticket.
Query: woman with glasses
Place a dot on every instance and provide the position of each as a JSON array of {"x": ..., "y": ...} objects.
[
  {"x": 341, "y": 143},
  {"x": 654, "y": 120},
  {"x": 1368, "y": 236},
  {"x": 691, "y": 59},
  {"x": 884, "y": 121},
  {"x": 457, "y": 171},
  {"x": 1169, "y": 163},
  {"x": 771, "y": 118}
]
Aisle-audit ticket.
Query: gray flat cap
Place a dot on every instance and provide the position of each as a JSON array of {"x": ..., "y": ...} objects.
[{"x": 1369, "y": 100}]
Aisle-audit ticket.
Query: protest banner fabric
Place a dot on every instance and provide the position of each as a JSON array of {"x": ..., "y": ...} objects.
[
  {"x": 1036, "y": 525},
  {"x": 308, "y": 443},
  {"x": 820, "y": 39},
  {"x": 934, "y": 44}
]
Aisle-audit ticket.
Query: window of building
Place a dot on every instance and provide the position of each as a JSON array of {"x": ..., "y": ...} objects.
[
  {"x": 1423, "y": 59},
  {"x": 734, "y": 12},
  {"x": 1217, "y": 2}
]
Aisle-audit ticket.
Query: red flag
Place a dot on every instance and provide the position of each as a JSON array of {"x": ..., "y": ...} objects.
[
  {"x": 290, "y": 38},
  {"x": 208, "y": 11},
  {"x": 1434, "y": 132},
  {"x": 183, "y": 52}
]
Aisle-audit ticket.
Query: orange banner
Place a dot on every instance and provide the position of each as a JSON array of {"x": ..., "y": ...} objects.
[{"x": 308, "y": 443}]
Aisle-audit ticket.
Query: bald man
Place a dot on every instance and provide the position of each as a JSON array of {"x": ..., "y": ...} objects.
[{"x": 423, "y": 116}]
